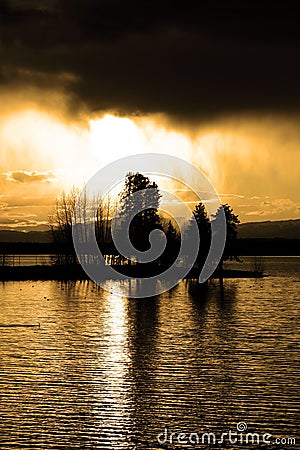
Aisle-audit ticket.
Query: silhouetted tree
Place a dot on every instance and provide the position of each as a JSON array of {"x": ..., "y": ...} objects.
[
  {"x": 63, "y": 214},
  {"x": 60, "y": 222},
  {"x": 172, "y": 246},
  {"x": 203, "y": 222},
  {"x": 171, "y": 232},
  {"x": 148, "y": 219},
  {"x": 231, "y": 234},
  {"x": 231, "y": 230},
  {"x": 104, "y": 210}
]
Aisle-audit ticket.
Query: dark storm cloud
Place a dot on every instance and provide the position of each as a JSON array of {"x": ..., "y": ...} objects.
[{"x": 156, "y": 56}]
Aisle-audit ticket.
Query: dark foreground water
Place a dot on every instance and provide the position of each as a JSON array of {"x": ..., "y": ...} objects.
[{"x": 106, "y": 372}]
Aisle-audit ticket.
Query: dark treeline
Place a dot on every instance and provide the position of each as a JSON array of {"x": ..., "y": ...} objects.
[
  {"x": 140, "y": 194},
  {"x": 148, "y": 219},
  {"x": 241, "y": 247}
]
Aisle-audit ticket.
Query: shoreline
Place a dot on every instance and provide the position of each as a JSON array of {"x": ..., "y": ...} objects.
[{"x": 74, "y": 273}]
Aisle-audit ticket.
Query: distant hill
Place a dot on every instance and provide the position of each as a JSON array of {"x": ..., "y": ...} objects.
[
  {"x": 30, "y": 236},
  {"x": 284, "y": 229},
  {"x": 287, "y": 229}
]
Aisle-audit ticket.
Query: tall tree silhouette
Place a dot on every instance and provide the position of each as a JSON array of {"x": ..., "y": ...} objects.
[
  {"x": 148, "y": 219},
  {"x": 231, "y": 234},
  {"x": 231, "y": 230},
  {"x": 60, "y": 222},
  {"x": 63, "y": 214},
  {"x": 203, "y": 222},
  {"x": 173, "y": 243}
]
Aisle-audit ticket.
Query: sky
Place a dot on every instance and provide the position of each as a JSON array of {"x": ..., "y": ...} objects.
[{"x": 85, "y": 82}]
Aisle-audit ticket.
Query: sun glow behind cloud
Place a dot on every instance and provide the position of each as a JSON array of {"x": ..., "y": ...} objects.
[
  {"x": 41, "y": 154},
  {"x": 112, "y": 138},
  {"x": 34, "y": 140}
]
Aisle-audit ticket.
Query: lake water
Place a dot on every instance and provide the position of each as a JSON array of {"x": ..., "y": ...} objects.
[{"x": 104, "y": 372}]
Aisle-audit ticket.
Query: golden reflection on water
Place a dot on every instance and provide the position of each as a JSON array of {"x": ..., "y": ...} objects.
[
  {"x": 113, "y": 368},
  {"x": 105, "y": 371}
]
